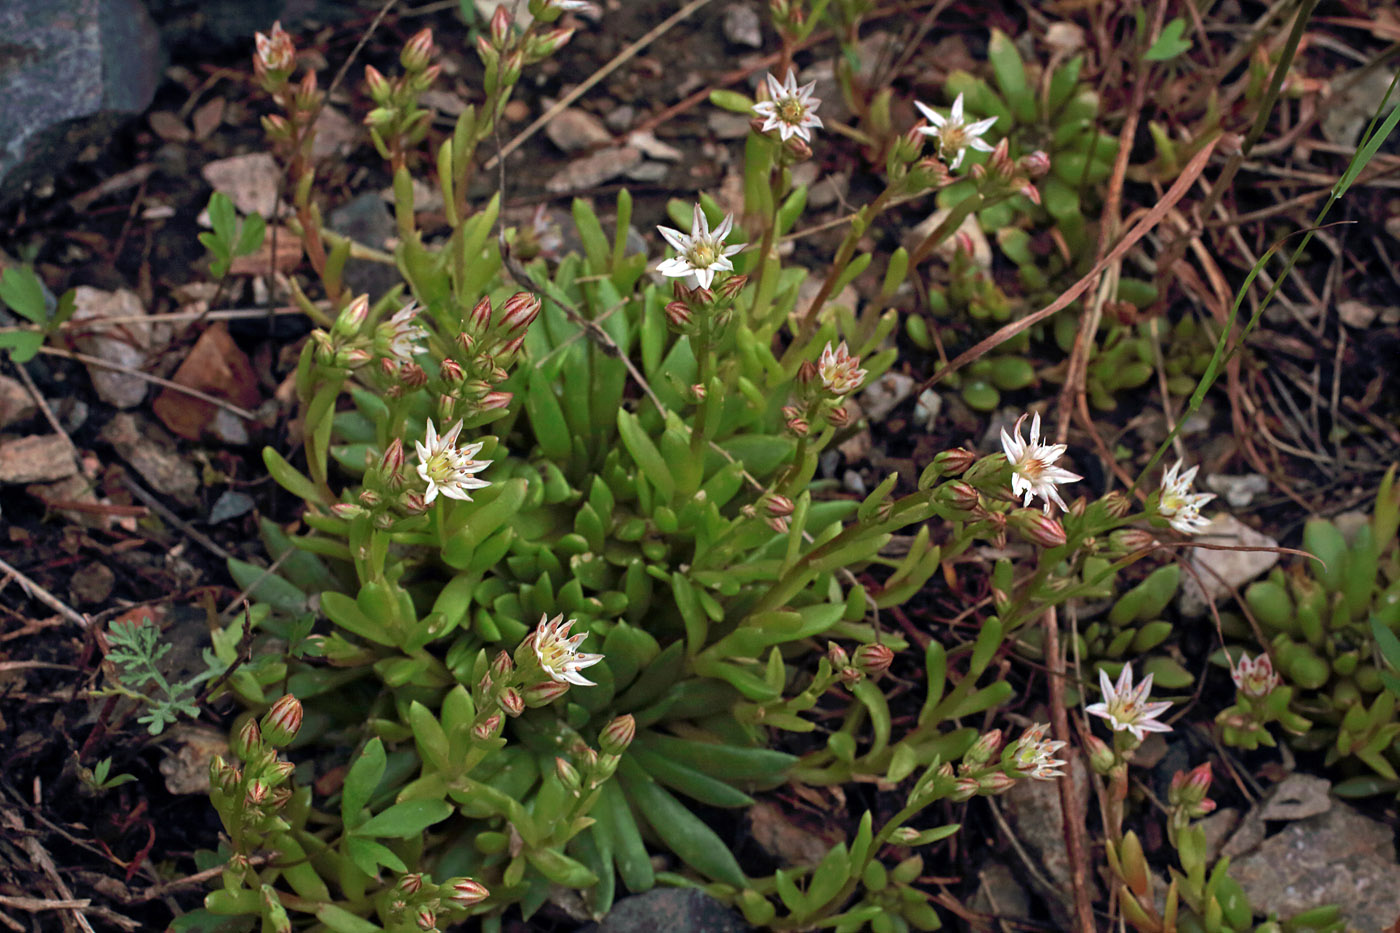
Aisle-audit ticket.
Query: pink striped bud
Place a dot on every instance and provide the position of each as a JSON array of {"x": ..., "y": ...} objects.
[
  {"x": 283, "y": 721},
  {"x": 732, "y": 286},
  {"x": 511, "y": 701},
  {"x": 568, "y": 774},
  {"x": 617, "y": 735},
  {"x": 248, "y": 743},
  {"x": 1036, "y": 164},
  {"x": 494, "y": 401},
  {"x": 392, "y": 462},
  {"x": 777, "y": 506},
  {"x": 348, "y": 511},
  {"x": 275, "y": 55},
  {"x": 839, "y": 416},
  {"x": 964, "y": 788},
  {"x": 544, "y": 693},
  {"x": 479, "y": 320},
  {"x": 413, "y": 503},
  {"x": 487, "y": 728},
  {"x": 678, "y": 314},
  {"x": 410, "y": 884},
  {"x": 257, "y": 793},
  {"x": 500, "y": 27},
  {"x": 377, "y": 86},
  {"x": 427, "y": 920},
  {"x": 873, "y": 660},
  {"x": 451, "y": 371},
  {"x": 519, "y": 311},
  {"x": 419, "y": 50},
  {"x": 465, "y": 891},
  {"x": 1037, "y": 527}
]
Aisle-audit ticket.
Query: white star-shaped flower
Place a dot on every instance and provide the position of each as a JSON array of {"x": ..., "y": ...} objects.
[
  {"x": 1034, "y": 755},
  {"x": 1126, "y": 707},
  {"x": 701, "y": 254},
  {"x": 446, "y": 468},
  {"x": 1179, "y": 505},
  {"x": 954, "y": 135},
  {"x": 1033, "y": 470},
  {"x": 791, "y": 110},
  {"x": 558, "y": 653},
  {"x": 839, "y": 371},
  {"x": 398, "y": 337}
]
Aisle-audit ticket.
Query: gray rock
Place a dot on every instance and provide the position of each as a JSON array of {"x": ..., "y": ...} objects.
[
  {"x": 884, "y": 395},
  {"x": 126, "y": 344},
  {"x": 71, "y": 71},
  {"x": 151, "y": 452},
  {"x": 92, "y": 584},
  {"x": 1220, "y": 571},
  {"x": 650, "y": 172},
  {"x": 574, "y": 130},
  {"x": 1297, "y": 797},
  {"x": 366, "y": 220},
  {"x": 230, "y": 504},
  {"x": 1338, "y": 857},
  {"x": 675, "y": 910},
  {"x": 16, "y": 404},
  {"x": 742, "y": 26},
  {"x": 593, "y": 170},
  {"x": 36, "y": 459},
  {"x": 1034, "y": 814},
  {"x": 1237, "y": 491}
]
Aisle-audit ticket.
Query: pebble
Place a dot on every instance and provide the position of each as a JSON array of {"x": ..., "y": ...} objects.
[
  {"x": 574, "y": 130},
  {"x": 16, "y": 404},
  {"x": 38, "y": 458},
  {"x": 1222, "y": 571},
  {"x": 150, "y": 451},
  {"x": 593, "y": 170},
  {"x": 122, "y": 345},
  {"x": 742, "y": 26},
  {"x": 1237, "y": 491}
]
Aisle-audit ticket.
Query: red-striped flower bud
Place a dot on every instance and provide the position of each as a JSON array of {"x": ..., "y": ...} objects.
[
  {"x": 1037, "y": 527},
  {"x": 391, "y": 464},
  {"x": 777, "y": 506},
  {"x": 511, "y": 701},
  {"x": 487, "y": 728},
  {"x": 617, "y": 735},
  {"x": 500, "y": 27},
  {"x": 410, "y": 884},
  {"x": 283, "y": 721},
  {"x": 678, "y": 314},
  {"x": 466, "y": 892},
  {"x": 494, "y": 401},
  {"x": 544, "y": 693},
  {"x": 519, "y": 311},
  {"x": 873, "y": 660},
  {"x": 419, "y": 50},
  {"x": 248, "y": 743},
  {"x": 839, "y": 416},
  {"x": 377, "y": 86},
  {"x": 427, "y": 920},
  {"x": 568, "y": 774},
  {"x": 479, "y": 320}
]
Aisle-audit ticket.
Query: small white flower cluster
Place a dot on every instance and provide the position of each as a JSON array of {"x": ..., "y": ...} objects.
[
  {"x": 791, "y": 110},
  {"x": 703, "y": 253},
  {"x": 1179, "y": 505},
  {"x": 557, "y": 651},
  {"x": 954, "y": 134}
]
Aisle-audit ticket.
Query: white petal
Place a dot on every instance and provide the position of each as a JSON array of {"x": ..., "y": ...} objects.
[
  {"x": 933, "y": 116},
  {"x": 765, "y": 108},
  {"x": 678, "y": 241},
  {"x": 725, "y": 226},
  {"x": 981, "y": 126},
  {"x": 957, "y": 111},
  {"x": 704, "y": 277},
  {"x": 674, "y": 268},
  {"x": 775, "y": 87},
  {"x": 981, "y": 145}
]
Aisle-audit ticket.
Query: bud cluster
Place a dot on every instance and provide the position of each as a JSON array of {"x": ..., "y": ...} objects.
[
  {"x": 691, "y": 308},
  {"x": 248, "y": 799},
  {"x": 416, "y": 902},
  {"x": 397, "y": 122}
]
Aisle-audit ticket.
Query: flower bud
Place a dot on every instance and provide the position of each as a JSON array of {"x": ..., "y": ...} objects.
[
  {"x": 257, "y": 793},
  {"x": 617, "y": 735},
  {"x": 905, "y": 836},
  {"x": 958, "y": 495},
  {"x": 519, "y": 311},
  {"x": 377, "y": 86},
  {"x": 307, "y": 97},
  {"x": 678, "y": 314},
  {"x": 997, "y": 782},
  {"x": 1116, "y": 504},
  {"x": 248, "y": 743},
  {"x": 413, "y": 503},
  {"x": 352, "y": 318},
  {"x": 873, "y": 660},
  {"x": 697, "y": 393},
  {"x": 954, "y": 462},
  {"x": 1101, "y": 757},
  {"x": 987, "y": 745},
  {"x": 964, "y": 788},
  {"x": 494, "y": 401},
  {"x": 451, "y": 371},
  {"x": 418, "y": 51},
  {"x": 486, "y": 51},
  {"x": 348, "y": 510},
  {"x": 1129, "y": 540},
  {"x": 391, "y": 464},
  {"x": 839, "y": 416},
  {"x": 500, "y": 27},
  {"x": 487, "y": 728},
  {"x": 733, "y": 285},
  {"x": 511, "y": 701},
  {"x": 427, "y": 920},
  {"x": 568, "y": 774},
  {"x": 799, "y": 426},
  {"x": 777, "y": 506},
  {"x": 1035, "y": 165},
  {"x": 838, "y": 657},
  {"x": 283, "y": 721},
  {"x": 465, "y": 891},
  {"x": 410, "y": 884},
  {"x": 550, "y": 42},
  {"x": 544, "y": 693},
  {"x": 1037, "y": 527},
  {"x": 502, "y": 667}
]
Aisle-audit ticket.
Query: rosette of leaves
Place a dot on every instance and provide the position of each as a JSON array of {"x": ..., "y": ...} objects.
[
  {"x": 703, "y": 605},
  {"x": 973, "y": 305},
  {"x": 1320, "y": 617}
]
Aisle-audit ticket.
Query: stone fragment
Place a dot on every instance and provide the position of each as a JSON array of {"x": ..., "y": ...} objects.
[
  {"x": 968, "y": 232},
  {"x": 216, "y": 366},
  {"x": 726, "y": 125},
  {"x": 189, "y": 749},
  {"x": 593, "y": 170},
  {"x": 366, "y": 220},
  {"x": 1297, "y": 797},
  {"x": 675, "y": 910},
  {"x": 1034, "y": 814},
  {"x": 230, "y": 504},
  {"x": 91, "y": 585},
  {"x": 151, "y": 453},
  {"x": 249, "y": 180},
  {"x": 336, "y": 135},
  {"x": 742, "y": 26},
  {"x": 1338, "y": 857},
  {"x": 16, "y": 404},
  {"x": 1222, "y": 571},
  {"x": 1237, "y": 491},
  {"x": 884, "y": 394},
  {"x": 574, "y": 130},
  {"x": 71, "y": 71},
  {"x": 123, "y": 344},
  {"x": 654, "y": 148},
  {"x": 38, "y": 458}
]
